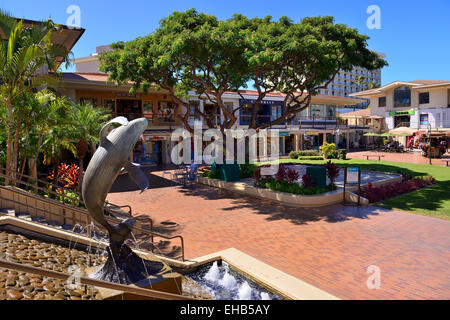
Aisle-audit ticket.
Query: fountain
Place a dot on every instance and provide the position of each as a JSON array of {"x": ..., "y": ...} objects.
[
  {"x": 110, "y": 159},
  {"x": 223, "y": 283}
]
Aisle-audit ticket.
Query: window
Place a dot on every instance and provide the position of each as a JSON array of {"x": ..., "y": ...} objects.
[
  {"x": 424, "y": 97},
  {"x": 276, "y": 112},
  {"x": 402, "y": 97},
  {"x": 147, "y": 108},
  {"x": 382, "y": 102},
  {"x": 109, "y": 104},
  {"x": 424, "y": 119},
  {"x": 166, "y": 111},
  {"x": 194, "y": 105}
]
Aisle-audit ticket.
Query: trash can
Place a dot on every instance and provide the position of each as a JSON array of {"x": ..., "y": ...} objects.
[
  {"x": 319, "y": 176},
  {"x": 230, "y": 172}
]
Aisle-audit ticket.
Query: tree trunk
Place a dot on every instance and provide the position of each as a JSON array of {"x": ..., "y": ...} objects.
[
  {"x": 16, "y": 148},
  {"x": 9, "y": 143}
]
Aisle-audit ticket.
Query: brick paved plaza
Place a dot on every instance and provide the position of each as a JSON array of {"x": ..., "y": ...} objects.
[
  {"x": 329, "y": 248},
  {"x": 410, "y": 157}
]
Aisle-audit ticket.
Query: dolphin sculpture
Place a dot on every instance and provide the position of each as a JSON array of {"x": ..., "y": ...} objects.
[{"x": 110, "y": 159}]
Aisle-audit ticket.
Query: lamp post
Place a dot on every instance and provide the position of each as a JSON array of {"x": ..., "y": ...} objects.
[{"x": 429, "y": 139}]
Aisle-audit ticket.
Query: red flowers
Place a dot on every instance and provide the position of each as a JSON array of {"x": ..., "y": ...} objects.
[
  {"x": 377, "y": 194},
  {"x": 67, "y": 175},
  {"x": 307, "y": 180}
]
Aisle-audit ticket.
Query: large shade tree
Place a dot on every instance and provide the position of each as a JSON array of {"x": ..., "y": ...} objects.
[
  {"x": 26, "y": 52},
  {"x": 192, "y": 51}
]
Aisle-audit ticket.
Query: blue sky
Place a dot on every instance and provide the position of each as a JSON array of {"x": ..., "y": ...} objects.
[{"x": 414, "y": 34}]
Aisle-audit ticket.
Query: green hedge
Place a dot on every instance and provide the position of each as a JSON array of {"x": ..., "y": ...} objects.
[
  {"x": 306, "y": 153},
  {"x": 310, "y": 158}
]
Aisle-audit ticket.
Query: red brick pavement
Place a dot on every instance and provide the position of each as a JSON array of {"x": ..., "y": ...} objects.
[
  {"x": 329, "y": 248},
  {"x": 409, "y": 157}
]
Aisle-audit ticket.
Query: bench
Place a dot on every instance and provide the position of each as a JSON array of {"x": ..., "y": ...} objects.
[{"x": 373, "y": 155}]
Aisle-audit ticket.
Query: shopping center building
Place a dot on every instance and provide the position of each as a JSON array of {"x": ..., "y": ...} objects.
[
  {"x": 309, "y": 130},
  {"x": 415, "y": 104}
]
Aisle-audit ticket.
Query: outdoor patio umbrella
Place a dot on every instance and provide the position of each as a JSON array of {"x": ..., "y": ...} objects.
[
  {"x": 387, "y": 134},
  {"x": 403, "y": 131},
  {"x": 371, "y": 134}
]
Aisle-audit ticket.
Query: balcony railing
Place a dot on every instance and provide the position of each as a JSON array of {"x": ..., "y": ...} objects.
[{"x": 151, "y": 118}]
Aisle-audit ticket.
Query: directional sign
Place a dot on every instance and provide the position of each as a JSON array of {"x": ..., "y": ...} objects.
[{"x": 352, "y": 175}]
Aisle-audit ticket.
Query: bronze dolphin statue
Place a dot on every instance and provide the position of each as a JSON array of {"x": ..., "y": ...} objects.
[{"x": 107, "y": 162}]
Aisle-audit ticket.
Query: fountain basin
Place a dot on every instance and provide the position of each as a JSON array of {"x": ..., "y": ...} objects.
[{"x": 224, "y": 283}]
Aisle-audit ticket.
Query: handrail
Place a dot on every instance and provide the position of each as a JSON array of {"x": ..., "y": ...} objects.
[
  {"x": 94, "y": 282},
  {"x": 83, "y": 211},
  {"x": 46, "y": 183}
]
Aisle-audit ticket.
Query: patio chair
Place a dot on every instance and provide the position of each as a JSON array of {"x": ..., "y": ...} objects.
[
  {"x": 192, "y": 173},
  {"x": 179, "y": 175}
]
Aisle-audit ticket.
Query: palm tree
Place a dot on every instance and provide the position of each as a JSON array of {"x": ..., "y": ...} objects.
[
  {"x": 360, "y": 81},
  {"x": 26, "y": 50},
  {"x": 54, "y": 133},
  {"x": 86, "y": 122},
  {"x": 50, "y": 112}
]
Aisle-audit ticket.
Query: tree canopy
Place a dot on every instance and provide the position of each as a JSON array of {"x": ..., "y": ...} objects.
[{"x": 192, "y": 51}]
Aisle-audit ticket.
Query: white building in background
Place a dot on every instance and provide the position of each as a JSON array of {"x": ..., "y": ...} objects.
[
  {"x": 414, "y": 104},
  {"x": 344, "y": 85}
]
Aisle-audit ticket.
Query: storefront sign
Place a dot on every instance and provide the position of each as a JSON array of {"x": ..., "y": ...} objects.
[
  {"x": 312, "y": 133},
  {"x": 402, "y": 113},
  {"x": 128, "y": 95},
  {"x": 154, "y": 138},
  {"x": 284, "y": 134}
]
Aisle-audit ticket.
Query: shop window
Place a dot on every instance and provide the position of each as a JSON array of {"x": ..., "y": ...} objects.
[
  {"x": 424, "y": 98},
  {"x": 402, "y": 97},
  {"x": 424, "y": 119},
  {"x": 166, "y": 111},
  {"x": 381, "y": 102},
  {"x": 193, "y": 106},
  {"x": 109, "y": 104},
  {"x": 147, "y": 108}
]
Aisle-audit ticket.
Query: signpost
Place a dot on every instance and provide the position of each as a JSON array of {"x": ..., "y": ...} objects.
[{"x": 352, "y": 176}]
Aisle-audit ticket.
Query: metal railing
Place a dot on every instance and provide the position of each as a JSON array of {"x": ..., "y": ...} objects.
[
  {"x": 74, "y": 204},
  {"x": 94, "y": 282}
]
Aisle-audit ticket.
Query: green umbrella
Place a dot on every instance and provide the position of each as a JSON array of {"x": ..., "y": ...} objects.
[
  {"x": 403, "y": 134},
  {"x": 387, "y": 134},
  {"x": 371, "y": 134}
]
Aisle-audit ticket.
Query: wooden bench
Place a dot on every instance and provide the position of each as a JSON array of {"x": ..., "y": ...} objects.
[{"x": 373, "y": 155}]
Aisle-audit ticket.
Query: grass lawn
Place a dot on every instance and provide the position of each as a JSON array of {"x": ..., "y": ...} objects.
[{"x": 433, "y": 201}]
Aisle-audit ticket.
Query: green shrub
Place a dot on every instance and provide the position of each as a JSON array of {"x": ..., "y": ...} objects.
[
  {"x": 310, "y": 158},
  {"x": 328, "y": 150},
  {"x": 284, "y": 186},
  {"x": 247, "y": 170},
  {"x": 293, "y": 154},
  {"x": 308, "y": 153},
  {"x": 342, "y": 154}
]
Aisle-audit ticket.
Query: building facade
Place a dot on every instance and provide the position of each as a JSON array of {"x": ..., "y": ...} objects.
[
  {"x": 418, "y": 104},
  {"x": 309, "y": 130}
]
